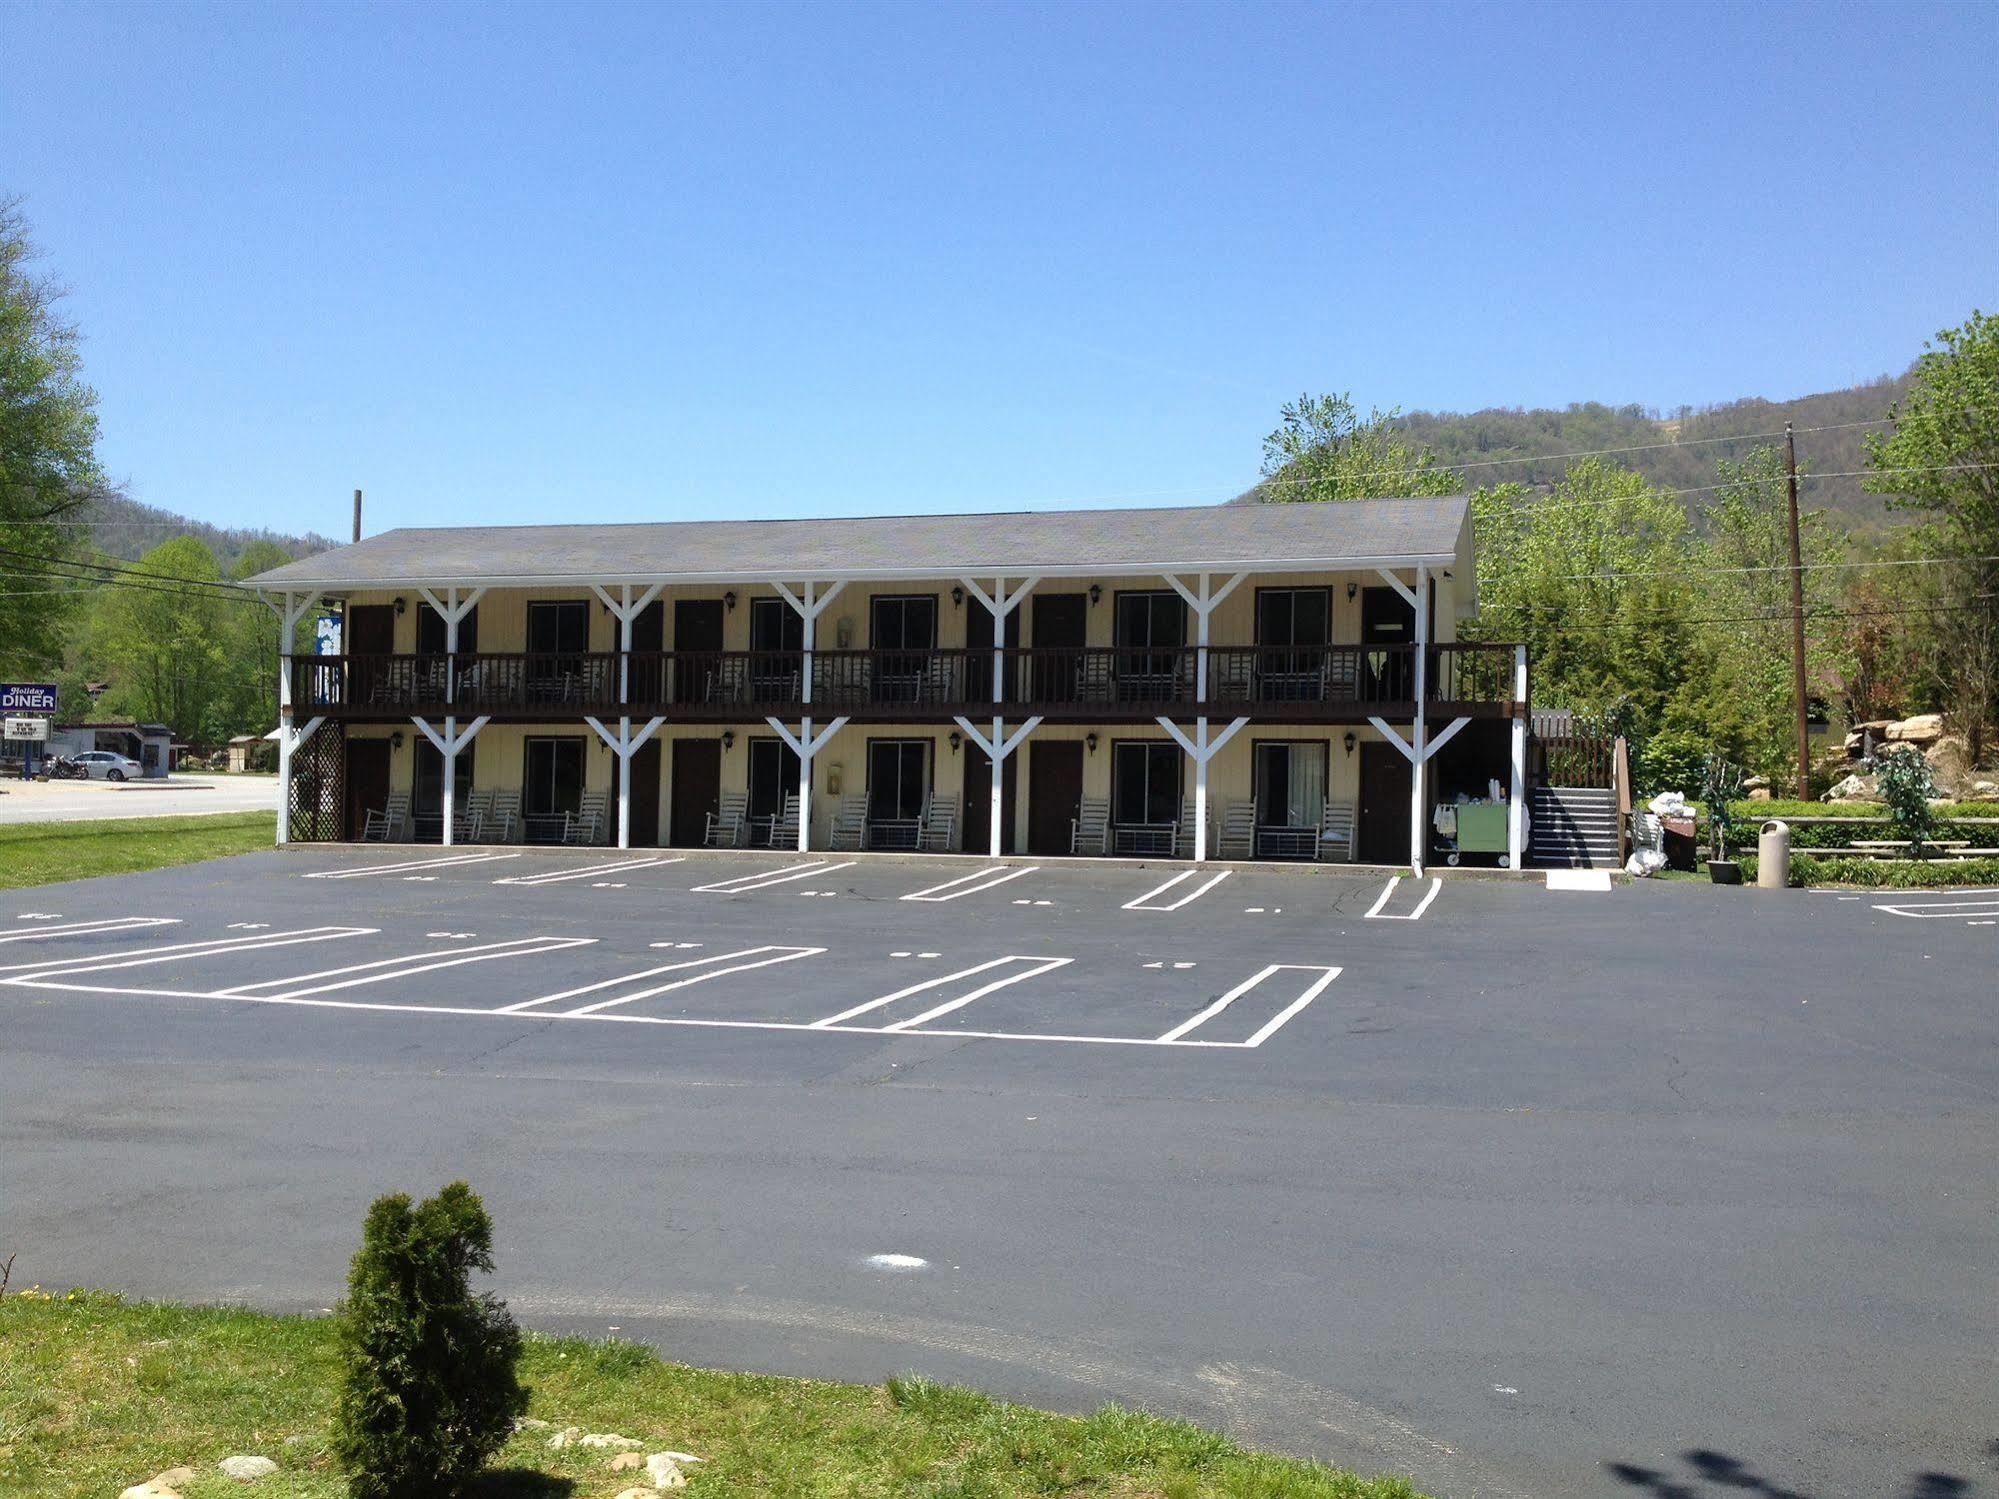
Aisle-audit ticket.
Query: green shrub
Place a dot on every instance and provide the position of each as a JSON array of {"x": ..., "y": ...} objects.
[
  {"x": 428, "y": 1390},
  {"x": 1671, "y": 760},
  {"x": 1884, "y": 874},
  {"x": 1907, "y": 783}
]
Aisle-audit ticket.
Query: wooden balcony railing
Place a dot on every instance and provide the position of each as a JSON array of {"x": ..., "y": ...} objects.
[{"x": 1306, "y": 682}]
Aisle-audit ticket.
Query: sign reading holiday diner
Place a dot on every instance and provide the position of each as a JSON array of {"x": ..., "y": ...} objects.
[{"x": 27, "y": 697}]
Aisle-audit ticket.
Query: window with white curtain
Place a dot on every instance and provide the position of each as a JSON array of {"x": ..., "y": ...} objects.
[{"x": 1290, "y": 784}]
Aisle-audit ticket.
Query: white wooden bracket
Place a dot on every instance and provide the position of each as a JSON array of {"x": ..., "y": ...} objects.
[
  {"x": 449, "y": 743},
  {"x": 624, "y": 744},
  {"x": 806, "y": 744},
  {"x": 997, "y": 747}
]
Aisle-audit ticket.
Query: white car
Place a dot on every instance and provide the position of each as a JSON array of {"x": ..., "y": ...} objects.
[{"x": 103, "y": 765}]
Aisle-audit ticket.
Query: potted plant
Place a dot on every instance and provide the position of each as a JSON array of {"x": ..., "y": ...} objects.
[{"x": 1721, "y": 787}]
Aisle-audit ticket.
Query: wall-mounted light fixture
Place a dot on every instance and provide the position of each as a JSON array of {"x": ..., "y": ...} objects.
[
  {"x": 396, "y": 740},
  {"x": 1349, "y": 741},
  {"x": 957, "y": 596},
  {"x": 1090, "y": 741},
  {"x": 401, "y": 604},
  {"x": 729, "y": 600},
  {"x": 956, "y": 740},
  {"x": 1352, "y": 589},
  {"x": 1096, "y": 592},
  {"x": 843, "y": 633},
  {"x": 728, "y": 739}
]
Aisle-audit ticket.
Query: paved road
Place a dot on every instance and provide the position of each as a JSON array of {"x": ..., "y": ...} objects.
[
  {"x": 175, "y": 796},
  {"x": 1667, "y": 1190}
]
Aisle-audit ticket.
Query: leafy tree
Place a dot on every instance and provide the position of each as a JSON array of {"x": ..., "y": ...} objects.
[
  {"x": 48, "y": 465},
  {"x": 1323, "y": 449},
  {"x": 1721, "y": 789},
  {"x": 1906, "y": 782},
  {"x": 167, "y": 647},
  {"x": 253, "y": 648},
  {"x": 429, "y": 1390},
  {"x": 1942, "y": 459}
]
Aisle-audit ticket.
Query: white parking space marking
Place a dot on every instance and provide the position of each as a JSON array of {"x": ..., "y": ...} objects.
[
  {"x": 998, "y": 874},
  {"x": 80, "y": 928},
  {"x": 1040, "y": 965},
  {"x": 1145, "y": 901},
  {"x": 1375, "y": 912},
  {"x": 556, "y": 877},
  {"x": 1312, "y": 992},
  {"x": 178, "y": 952},
  {"x": 1593, "y": 881},
  {"x": 407, "y": 867},
  {"x": 705, "y": 963},
  {"x": 408, "y": 964},
  {"x": 742, "y": 884},
  {"x": 1933, "y": 910}
]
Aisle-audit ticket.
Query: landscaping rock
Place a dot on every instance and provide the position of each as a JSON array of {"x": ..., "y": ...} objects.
[
  {"x": 1759, "y": 793},
  {"x": 173, "y": 1478},
  {"x": 1950, "y": 758},
  {"x": 626, "y": 1460},
  {"x": 566, "y": 1437},
  {"x": 665, "y": 1472},
  {"x": 149, "y": 1490},
  {"x": 1924, "y": 728},
  {"x": 530, "y": 1423},
  {"x": 1855, "y": 788},
  {"x": 575, "y": 1436},
  {"x": 1984, "y": 791},
  {"x": 247, "y": 1469}
]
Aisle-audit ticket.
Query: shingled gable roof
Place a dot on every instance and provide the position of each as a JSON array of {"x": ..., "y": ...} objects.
[{"x": 1073, "y": 543}]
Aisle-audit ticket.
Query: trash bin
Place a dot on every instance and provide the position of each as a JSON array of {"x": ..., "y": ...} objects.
[{"x": 1773, "y": 855}]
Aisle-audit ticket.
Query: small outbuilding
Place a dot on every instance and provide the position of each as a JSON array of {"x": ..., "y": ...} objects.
[
  {"x": 151, "y": 744},
  {"x": 253, "y": 752}
]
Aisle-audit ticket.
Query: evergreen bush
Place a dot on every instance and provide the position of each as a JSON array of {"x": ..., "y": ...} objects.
[
  {"x": 428, "y": 1390},
  {"x": 1906, "y": 783}
]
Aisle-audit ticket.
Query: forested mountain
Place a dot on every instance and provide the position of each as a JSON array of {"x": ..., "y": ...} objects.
[
  {"x": 1468, "y": 442},
  {"x": 127, "y": 530}
]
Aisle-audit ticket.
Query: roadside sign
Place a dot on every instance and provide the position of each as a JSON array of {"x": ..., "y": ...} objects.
[
  {"x": 27, "y": 697},
  {"x": 31, "y": 730}
]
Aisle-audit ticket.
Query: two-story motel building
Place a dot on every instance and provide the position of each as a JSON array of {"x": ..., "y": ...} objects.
[{"x": 1285, "y": 678}]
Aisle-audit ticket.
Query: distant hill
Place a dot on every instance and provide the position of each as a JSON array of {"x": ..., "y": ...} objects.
[
  {"x": 1473, "y": 439},
  {"x": 127, "y": 530}
]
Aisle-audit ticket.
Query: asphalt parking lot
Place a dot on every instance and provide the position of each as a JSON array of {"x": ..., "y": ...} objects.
[{"x": 1661, "y": 1190}]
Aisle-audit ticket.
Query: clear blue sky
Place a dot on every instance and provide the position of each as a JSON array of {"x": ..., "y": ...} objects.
[{"x": 661, "y": 262}]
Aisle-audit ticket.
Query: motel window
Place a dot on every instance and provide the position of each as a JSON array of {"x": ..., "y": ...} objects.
[
  {"x": 775, "y": 626},
  {"x": 431, "y": 635},
  {"x": 1155, "y": 620},
  {"x": 551, "y": 784},
  {"x": 1290, "y": 784},
  {"x": 428, "y": 800},
  {"x": 898, "y": 779},
  {"x": 1293, "y": 616},
  {"x": 773, "y": 776},
  {"x": 1146, "y": 783},
  {"x": 559, "y": 628},
  {"x": 903, "y": 623}
]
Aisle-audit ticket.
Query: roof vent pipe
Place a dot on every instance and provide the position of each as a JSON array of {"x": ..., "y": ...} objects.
[{"x": 357, "y": 515}]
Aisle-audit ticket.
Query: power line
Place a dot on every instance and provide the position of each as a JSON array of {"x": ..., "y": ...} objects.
[
  {"x": 119, "y": 569},
  {"x": 1773, "y": 567}
]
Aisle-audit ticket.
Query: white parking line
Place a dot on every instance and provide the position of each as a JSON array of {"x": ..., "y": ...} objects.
[
  {"x": 80, "y": 928},
  {"x": 407, "y": 964},
  {"x": 1143, "y": 903},
  {"x": 403, "y": 866},
  {"x": 1044, "y": 965},
  {"x": 1000, "y": 874},
  {"x": 556, "y": 877},
  {"x": 1933, "y": 910},
  {"x": 742, "y": 884},
  {"x": 1326, "y": 976},
  {"x": 175, "y": 952},
  {"x": 1375, "y": 913},
  {"x": 704, "y": 962}
]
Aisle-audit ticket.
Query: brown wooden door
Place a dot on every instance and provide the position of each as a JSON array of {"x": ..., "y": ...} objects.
[
  {"x": 979, "y": 660},
  {"x": 1062, "y": 627},
  {"x": 648, "y": 667},
  {"x": 697, "y": 790},
  {"x": 979, "y": 800},
  {"x": 1381, "y": 834},
  {"x": 368, "y": 631},
  {"x": 697, "y": 628},
  {"x": 1054, "y": 794},
  {"x": 367, "y": 782},
  {"x": 644, "y": 829}
]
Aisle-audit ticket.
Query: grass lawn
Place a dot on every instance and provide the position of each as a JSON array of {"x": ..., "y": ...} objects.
[
  {"x": 97, "y": 1393},
  {"x": 43, "y": 853}
]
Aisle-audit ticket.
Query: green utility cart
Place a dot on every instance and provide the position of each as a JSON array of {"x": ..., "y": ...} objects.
[{"x": 1482, "y": 829}]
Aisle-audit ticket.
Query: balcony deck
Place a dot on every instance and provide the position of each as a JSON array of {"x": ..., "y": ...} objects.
[{"x": 1307, "y": 684}]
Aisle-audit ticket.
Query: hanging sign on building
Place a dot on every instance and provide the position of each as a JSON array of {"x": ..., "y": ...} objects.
[{"x": 26, "y": 730}]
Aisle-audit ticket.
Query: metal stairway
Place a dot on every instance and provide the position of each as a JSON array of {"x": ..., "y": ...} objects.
[{"x": 1572, "y": 827}]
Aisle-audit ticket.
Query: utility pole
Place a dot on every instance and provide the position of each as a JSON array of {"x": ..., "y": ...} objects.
[
  {"x": 357, "y": 515},
  {"x": 1797, "y": 618}
]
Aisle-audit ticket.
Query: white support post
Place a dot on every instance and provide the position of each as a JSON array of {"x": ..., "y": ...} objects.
[
  {"x": 289, "y": 614},
  {"x": 999, "y": 604},
  {"x": 451, "y": 610},
  {"x": 1418, "y": 769},
  {"x": 805, "y": 744},
  {"x": 809, "y": 608},
  {"x": 624, "y": 744},
  {"x": 1201, "y": 749},
  {"x": 448, "y": 744},
  {"x": 1203, "y": 602},
  {"x": 1516, "y": 811}
]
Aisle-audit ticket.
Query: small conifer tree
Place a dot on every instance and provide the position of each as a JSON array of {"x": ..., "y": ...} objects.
[{"x": 428, "y": 1392}]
